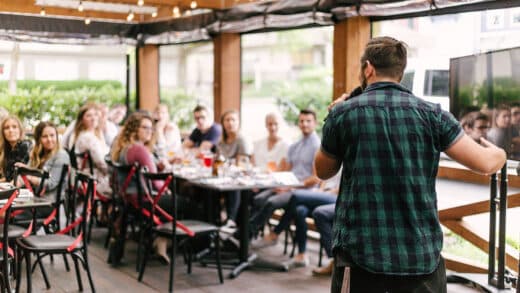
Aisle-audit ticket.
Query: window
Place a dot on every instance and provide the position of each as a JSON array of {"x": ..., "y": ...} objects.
[
  {"x": 436, "y": 83},
  {"x": 407, "y": 80}
]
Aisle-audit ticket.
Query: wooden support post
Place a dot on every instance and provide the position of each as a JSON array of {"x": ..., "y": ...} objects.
[
  {"x": 350, "y": 38},
  {"x": 148, "y": 77},
  {"x": 227, "y": 77}
]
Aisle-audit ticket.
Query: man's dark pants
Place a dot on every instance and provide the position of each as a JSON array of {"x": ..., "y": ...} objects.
[{"x": 367, "y": 282}]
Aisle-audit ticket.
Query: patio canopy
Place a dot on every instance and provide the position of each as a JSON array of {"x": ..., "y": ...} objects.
[{"x": 157, "y": 22}]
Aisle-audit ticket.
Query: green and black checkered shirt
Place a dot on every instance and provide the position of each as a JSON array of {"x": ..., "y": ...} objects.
[{"x": 389, "y": 143}]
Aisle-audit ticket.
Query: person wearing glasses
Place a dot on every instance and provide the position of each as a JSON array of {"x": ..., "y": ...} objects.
[
  {"x": 207, "y": 134},
  {"x": 135, "y": 144},
  {"x": 475, "y": 125}
]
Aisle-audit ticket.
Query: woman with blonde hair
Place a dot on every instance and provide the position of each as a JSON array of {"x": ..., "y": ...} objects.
[
  {"x": 13, "y": 147},
  {"x": 87, "y": 136},
  {"x": 47, "y": 155}
]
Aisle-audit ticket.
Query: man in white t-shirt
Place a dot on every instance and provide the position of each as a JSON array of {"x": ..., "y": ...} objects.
[{"x": 268, "y": 153}]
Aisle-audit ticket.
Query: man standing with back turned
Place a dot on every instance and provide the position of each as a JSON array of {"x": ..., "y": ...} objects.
[{"x": 386, "y": 235}]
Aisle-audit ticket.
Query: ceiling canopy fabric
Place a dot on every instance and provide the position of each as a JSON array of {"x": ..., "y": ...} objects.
[{"x": 244, "y": 18}]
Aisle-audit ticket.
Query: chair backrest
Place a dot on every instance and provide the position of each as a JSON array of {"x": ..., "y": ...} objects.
[
  {"x": 23, "y": 172},
  {"x": 63, "y": 185},
  {"x": 83, "y": 191},
  {"x": 81, "y": 161},
  {"x": 126, "y": 176},
  {"x": 5, "y": 209},
  {"x": 150, "y": 196}
]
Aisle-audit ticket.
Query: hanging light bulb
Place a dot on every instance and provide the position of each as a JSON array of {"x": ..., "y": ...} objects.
[
  {"x": 42, "y": 12},
  {"x": 188, "y": 13},
  {"x": 176, "y": 11},
  {"x": 80, "y": 6},
  {"x": 154, "y": 14},
  {"x": 130, "y": 16},
  {"x": 193, "y": 4},
  {"x": 87, "y": 20},
  {"x": 140, "y": 2}
]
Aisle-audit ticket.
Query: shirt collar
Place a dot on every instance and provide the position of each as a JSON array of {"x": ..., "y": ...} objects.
[{"x": 386, "y": 84}]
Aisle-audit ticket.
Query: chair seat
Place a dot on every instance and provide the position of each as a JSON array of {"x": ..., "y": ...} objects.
[
  {"x": 198, "y": 227},
  {"x": 15, "y": 231},
  {"x": 49, "y": 242}
]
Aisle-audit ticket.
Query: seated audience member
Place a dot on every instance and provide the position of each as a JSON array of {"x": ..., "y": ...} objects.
[
  {"x": 13, "y": 147},
  {"x": 207, "y": 134},
  {"x": 300, "y": 158},
  {"x": 269, "y": 152},
  {"x": 87, "y": 136},
  {"x": 323, "y": 217},
  {"x": 168, "y": 136},
  {"x": 134, "y": 145},
  {"x": 301, "y": 205},
  {"x": 475, "y": 125},
  {"x": 501, "y": 133},
  {"x": 109, "y": 133},
  {"x": 232, "y": 146},
  {"x": 48, "y": 155},
  {"x": 515, "y": 123},
  {"x": 108, "y": 127},
  {"x": 117, "y": 114}
]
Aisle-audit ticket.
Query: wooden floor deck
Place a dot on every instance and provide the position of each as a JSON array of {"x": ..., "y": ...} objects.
[
  {"x": 202, "y": 279},
  {"x": 124, "y": 278}
]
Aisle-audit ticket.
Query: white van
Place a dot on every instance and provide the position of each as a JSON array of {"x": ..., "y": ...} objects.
[{"x": 430, "y": 83}]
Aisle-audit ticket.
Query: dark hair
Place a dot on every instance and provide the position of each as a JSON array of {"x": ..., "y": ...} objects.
[
  {"x": 200, "y": 108},
  {"x": 308, "y": 112},
  {"x": 515, "y": 105},
  {"x": 469, "y": 119},
  {"x": 387, "y": 55}
]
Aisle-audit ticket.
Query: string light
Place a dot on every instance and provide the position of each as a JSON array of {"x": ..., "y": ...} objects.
[
  {"x": 130, "y": 16},
  {"x": 42, "y": 12},
  {"x": 80, "y": 6},
  {"x": 87, "y": 21},
  {"x": 176, "y": 11},
  {"x": 140, "y": 2},
  {"x": 193, "y": 4},
  {"x": 154, "y": 14},
  {"x": 188, "y": 12}
]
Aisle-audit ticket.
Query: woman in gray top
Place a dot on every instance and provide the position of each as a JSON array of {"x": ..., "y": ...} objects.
[
  {"x": 232, "y": 146},
  {"x": 48, "y": 155}
]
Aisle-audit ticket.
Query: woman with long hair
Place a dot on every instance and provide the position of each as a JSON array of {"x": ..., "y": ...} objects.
[
  {"x": 13, "y": 147},
  {"x": 135, "y": 144},
  {"x": 232, "y": 146},
  {"x": 47, "y": 155},
  {"x": 88, "y": 136}
]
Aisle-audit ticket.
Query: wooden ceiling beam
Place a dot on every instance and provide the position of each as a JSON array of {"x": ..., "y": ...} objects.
[
  {"x": 210, "y": 4},
  {"x": 28, "y": 7}
]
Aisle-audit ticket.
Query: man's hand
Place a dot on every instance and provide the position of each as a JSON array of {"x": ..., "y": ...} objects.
[{"x": 342, "y": 98}]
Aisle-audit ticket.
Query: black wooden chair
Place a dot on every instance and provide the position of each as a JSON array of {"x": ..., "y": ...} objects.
[
  {"x": 84, "y": 163},
  {"x": 124, "y": 210},
  {"x": 7, "y": 255},
  {"x": 70, "y": 240},
  {"x": 185, "y": 231}
]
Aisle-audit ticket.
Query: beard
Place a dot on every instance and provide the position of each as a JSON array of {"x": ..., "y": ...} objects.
[{"x": 363, "y": 80}]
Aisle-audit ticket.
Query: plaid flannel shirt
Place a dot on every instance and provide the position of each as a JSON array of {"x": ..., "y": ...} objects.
[{"x": 389, "y": 143}]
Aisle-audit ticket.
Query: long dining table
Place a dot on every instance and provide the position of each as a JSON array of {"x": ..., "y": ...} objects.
[{"x": 244, "y": 183}]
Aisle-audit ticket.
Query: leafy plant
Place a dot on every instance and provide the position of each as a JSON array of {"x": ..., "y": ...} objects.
[{"x": 311, "y": 90}]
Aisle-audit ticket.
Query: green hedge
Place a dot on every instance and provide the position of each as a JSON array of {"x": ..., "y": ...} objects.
[
  {"x": 60, "y": 107},
  {"x": 59, "y": 101},
  {"x": 62, "y": 85}
]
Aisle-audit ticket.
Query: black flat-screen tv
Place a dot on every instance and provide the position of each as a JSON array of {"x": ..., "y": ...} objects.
[{"x": 489, "y": 84}]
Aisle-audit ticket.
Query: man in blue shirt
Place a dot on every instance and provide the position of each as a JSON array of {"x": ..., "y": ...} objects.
[{"x": 207, "y": 134}]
